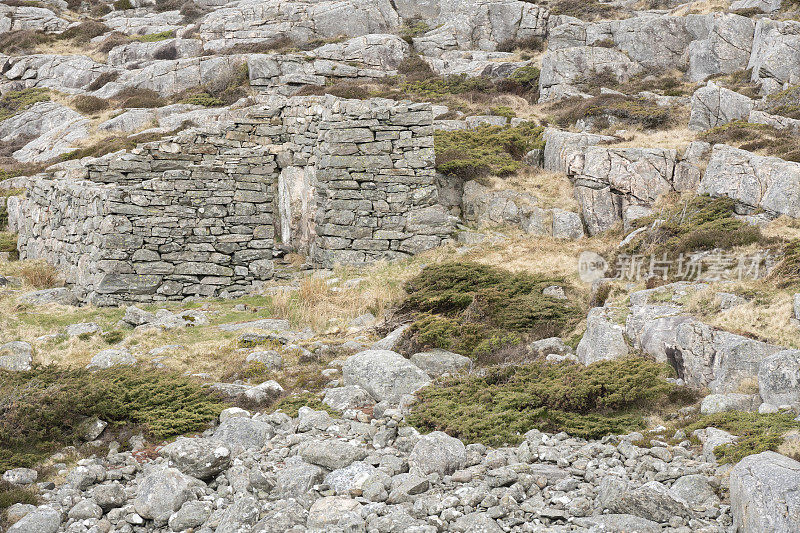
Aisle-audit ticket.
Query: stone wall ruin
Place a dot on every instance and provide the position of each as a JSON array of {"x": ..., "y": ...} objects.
[{"x": 200, "y": 214}]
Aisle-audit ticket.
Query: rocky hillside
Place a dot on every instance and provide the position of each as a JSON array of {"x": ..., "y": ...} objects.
[{"x": 399, "y": 266}]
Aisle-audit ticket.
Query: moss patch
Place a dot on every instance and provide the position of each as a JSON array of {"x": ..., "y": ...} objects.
[
  {"x": 487, "y": 150},
  {"x": 496, "y": 409},
  {"x": 14, "y": 102},
  {"x": 479, "y": 311},
  {"x": 757, "y": 432},
  {"x": 42, "y": 408}
]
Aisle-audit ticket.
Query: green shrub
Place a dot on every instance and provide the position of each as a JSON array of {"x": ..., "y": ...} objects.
[
  {"x": 437, "y": 87},
  {"x": 757, "y": 432},
  {"x": 132, "y": 97},
  {"x": 42, "y": 408},
  {"x": 496, "y": 409},
  {"x": 413, "y": 28},
  {"x": 89, "y": 105},
  {"x": 786, "y": 102},
  {"x": 478, "y": 310},
  {"x": 584, "y": 9},
  {"x": 626, "y": 109},
  {"x": 11, "y": 494},
  {"x": 13, "y": 102},
  {"x": 122, "y": 5},
  {"x": 760, "y": 138},
  {"x": 113, "y": 337},
  {"x": 22, "y": 42},
  {"x": 702, "y": 223},
  {"x": 154, "y": 37},
  {"x": 102, "y": 80},
  {"x": 203, "y": 99},
  {"x": 503, "y": 111},
  {"x": 487, "y": 150},
  {"x": 527, "y": 76},
  {"x": 8, "y": 241},
  {"x": 84, "y": 32}
]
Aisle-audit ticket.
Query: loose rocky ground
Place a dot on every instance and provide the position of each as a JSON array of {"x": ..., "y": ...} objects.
[{"x": 504, "y": 381}]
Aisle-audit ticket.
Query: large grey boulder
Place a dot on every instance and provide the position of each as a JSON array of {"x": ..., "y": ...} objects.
[
  {"x": 476, "y": 24},
  {"x": 386, "y": 375},
  {"x": 296, "y": 479},
  {"x": 352, "y": 477},
  {"x": 332, "y": 511},
  {"x": 437, "y": 452},
  {"x": 714, "y": 106},
  {"x": 732, "y": 401},
  {"x": 436, "y": 362},
  {"x": 564, "y": 149},
  {"x": 564, "y": 71},
  {"x": 30, "y": 17},
  {"x": 16, "y": 356},
  {"x": 348, "y": 397},
  {"x": 603, "y": 338},
  {"x": 765, "y": 493},
  {"x": 653, "y": 501},
  {"x": 112, "y": 357},
  {"x": 244, "y": 433},
  {"x": 239, "y": 517},
  {"x": 765, "y": 6},
  {"x": 162, "y": 492},
  {"x": 774, "y": 59},
  {"x": 379, "y": 51},
  {"x": 67, "y": 73},
  {"x": 192, "y": 514},
  {"x": 137, "y": 52},
  {"x": 779, "y": 378},
  {"x": 198, "y": 457},
  {"x": 43, "y": 520},
  {"x": 725, "y": 50},
  {"x": 331, "y": 454},
  {"x": 59, "y": 295},
  {"x": 754, "y": 181},
  {"x": 608, "y": 180},
  {"x": 695, "y": 490},
  {"x": 302, "y": 22}
]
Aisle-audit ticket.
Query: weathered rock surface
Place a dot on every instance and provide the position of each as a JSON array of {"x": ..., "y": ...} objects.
[
  {"x": 386, "y": 375},
  {"x": 765, "y": 491}
]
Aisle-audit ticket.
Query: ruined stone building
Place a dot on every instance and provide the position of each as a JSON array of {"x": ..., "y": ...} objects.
[{"x": 199, "y": 214}]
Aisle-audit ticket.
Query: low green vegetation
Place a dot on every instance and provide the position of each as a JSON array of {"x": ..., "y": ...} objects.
[
  {"x": 14, "y": 102},
  {"x": 487, "y": 150},
  {"x": 760, "y": 138},
  {"x": 786, "y": 102},
  {"x": 602, "y": 109},
  {"x": 699, "y": 223},
  {"x": 154, "y": 37},
  {"x": 413, "y": 28},
  {"x": 585, "y": 9},
  {"x": 483, "y": 312},
  {"x": 499, "y": 407},
  {"x": 42, "y": 409},
  {"x": 757, "y": 432}
]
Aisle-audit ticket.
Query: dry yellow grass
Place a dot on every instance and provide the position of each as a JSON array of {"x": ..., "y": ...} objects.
[
  {"x": 678, "y": 138},
  {"x": 701, "y": 7},
  {"x": 66, "y": 47},
  {"x": 766, "y": 316}
]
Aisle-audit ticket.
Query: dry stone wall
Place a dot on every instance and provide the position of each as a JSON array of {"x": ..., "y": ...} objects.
[{"x": 200, "y": 214}]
